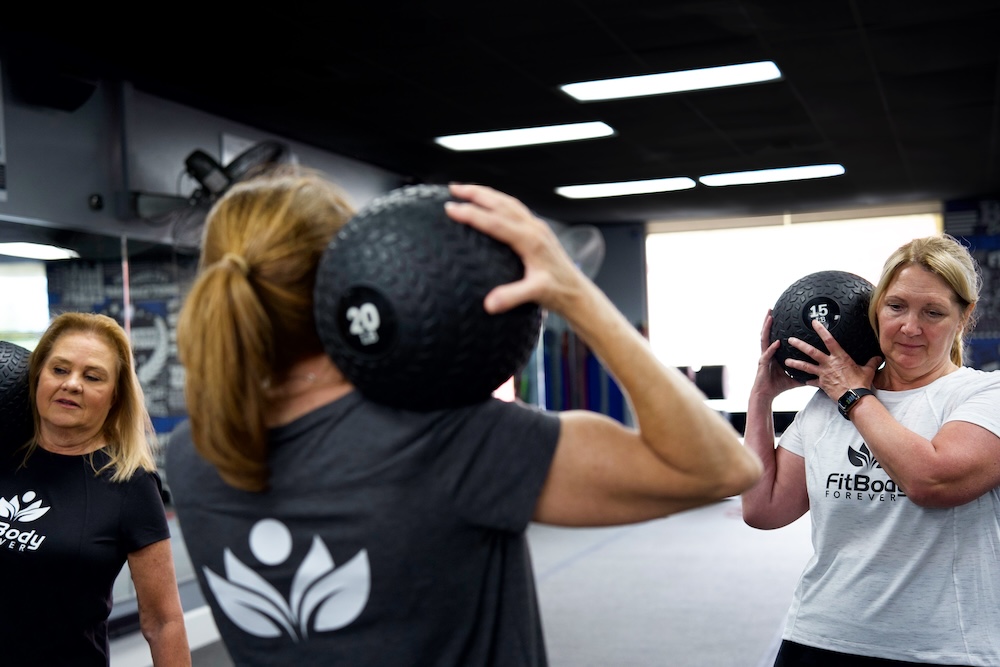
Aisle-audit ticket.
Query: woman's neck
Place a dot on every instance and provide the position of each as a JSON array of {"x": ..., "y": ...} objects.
[
  {"x": 893, "y": 379},
  {"x": 68, "y": 442},
  {"x": 309, "y": 383}
]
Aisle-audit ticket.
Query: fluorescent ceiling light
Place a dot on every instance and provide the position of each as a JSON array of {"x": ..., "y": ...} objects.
[
  {"x": 773, "y": 175},
  {"x": 36, "y": 251},
  {"x": 528, "y": 136},
  {"x": 673, "y": 82},
  {"x": 597, "y": 190}
]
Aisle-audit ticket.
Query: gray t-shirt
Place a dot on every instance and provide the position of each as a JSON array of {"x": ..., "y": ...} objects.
[
  {"x": 888, "y": 578},
  {"x": 387, "y": 537}
]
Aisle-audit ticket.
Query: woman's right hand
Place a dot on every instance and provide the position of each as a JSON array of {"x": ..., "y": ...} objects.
[
  {"x": 551, "y": 279},
  {"x": 680, "y": 454},
  {"x": 771, "y": 379}
]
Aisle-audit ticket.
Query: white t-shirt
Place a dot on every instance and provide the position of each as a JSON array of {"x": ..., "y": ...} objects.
[{"x": 888, "y": 578}]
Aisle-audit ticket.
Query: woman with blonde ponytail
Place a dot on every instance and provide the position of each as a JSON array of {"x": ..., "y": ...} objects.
[
  {"x": 247, "y": 336},
  {"x": 327, "y": 529}
]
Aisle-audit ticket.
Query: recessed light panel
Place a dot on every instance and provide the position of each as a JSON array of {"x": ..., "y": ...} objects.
[
  {"x": 528, "y": 136},
  {"x": 597, "y": 190},
  {"x": 773, "y": 175},
  {"x": 36, "y": 251},
  {"x": 673, "y": 82}
]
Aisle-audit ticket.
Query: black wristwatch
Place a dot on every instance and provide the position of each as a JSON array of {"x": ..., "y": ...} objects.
[{"x": 850, "y": 399}]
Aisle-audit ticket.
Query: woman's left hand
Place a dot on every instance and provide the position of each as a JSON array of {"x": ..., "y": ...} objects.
[{"x": 835, "y": 372}]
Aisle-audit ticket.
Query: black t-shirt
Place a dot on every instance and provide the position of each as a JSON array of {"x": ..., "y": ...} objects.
[
  {"x": 64, "y": 536},
  {"x": 387, "y": 537}
]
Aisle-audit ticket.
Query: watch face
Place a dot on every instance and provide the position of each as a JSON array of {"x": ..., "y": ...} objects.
[
  {"x": 850, "y": 397},
  {"x": 846, "y": 401}
]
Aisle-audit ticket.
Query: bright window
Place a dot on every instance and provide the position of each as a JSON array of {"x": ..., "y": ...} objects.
[
  {"x": 710, "y": 290},
  {"x": 24, "y": 302}
]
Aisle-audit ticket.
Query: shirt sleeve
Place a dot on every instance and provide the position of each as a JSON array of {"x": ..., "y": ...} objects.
[
  {"x": 793, "y": 439},
  {"x": 144, "y": 520},
  {"x": 499, "y": 455},
  {"x": 981, "y": 407}
]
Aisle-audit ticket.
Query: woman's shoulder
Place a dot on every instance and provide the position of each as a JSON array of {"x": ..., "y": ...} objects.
[
  {"x": 178, "y": 445},
  {"x": 973, "y": 377},
  {"x": 964, "y": 385},
  {"x": 499, "y": 411}
]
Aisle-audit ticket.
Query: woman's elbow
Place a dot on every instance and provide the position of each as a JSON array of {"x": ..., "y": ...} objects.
[
  {"x": 938, "y": 496},
  {"x": 738, "y": 476},
  {"x": 758, "y": 520},
  {"x": 764, "y": 518},
  {"x": 157, "y": 629},
  {"x": 764, "y": 509},
  {"x": 745, "y": 472},
  {"x": 150, "y": 631}
]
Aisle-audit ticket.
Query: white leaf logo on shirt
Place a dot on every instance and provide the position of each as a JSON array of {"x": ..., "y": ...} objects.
[
  {"x": 323, "y": 597},
  {"x": 11, "y": 509}
]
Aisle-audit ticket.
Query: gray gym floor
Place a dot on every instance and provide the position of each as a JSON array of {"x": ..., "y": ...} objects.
[{"x": 699, "y": 589}]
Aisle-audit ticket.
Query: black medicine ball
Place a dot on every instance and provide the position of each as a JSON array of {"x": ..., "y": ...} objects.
[
  {"x": 399, "y": 304},
  {"x": 839, "y": 300},
  {"x": 16, "y": 422}
]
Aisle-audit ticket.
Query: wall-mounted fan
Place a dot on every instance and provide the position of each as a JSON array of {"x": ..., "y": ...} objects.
[
  {"x": 585, "y": 245},
  {"x": 187, "y": 220}
]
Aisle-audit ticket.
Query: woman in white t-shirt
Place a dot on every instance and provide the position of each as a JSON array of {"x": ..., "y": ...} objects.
[{"x": 899, "y": 468}]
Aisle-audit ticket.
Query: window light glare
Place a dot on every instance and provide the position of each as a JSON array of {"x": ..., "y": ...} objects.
[
  {"x": 597, "y": 190},
  {"x": 528, "y": 136},
  {"x": 673, "y": 82},
  {"x": 36, "y": 251},
  {"x": 773, "y": 175}
]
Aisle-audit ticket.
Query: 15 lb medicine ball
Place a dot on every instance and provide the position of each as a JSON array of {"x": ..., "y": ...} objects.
[
  {"x": 839, "y": 300},
  {"x": 399, "y": 304},
  {"x": 16, "y": 425}
]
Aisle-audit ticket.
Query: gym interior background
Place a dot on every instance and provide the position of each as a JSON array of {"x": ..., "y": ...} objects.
[{"x": 99, "y": 172}]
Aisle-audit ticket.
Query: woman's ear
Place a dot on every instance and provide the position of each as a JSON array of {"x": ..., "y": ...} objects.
[{"x": 967, "y": 317}]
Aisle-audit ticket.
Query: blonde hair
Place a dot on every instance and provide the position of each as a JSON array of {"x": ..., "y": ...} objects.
[
  {"x": 128, "y": 431},
  {"x": 249, "y": 314},
  {"x": 946, "y": 257}
]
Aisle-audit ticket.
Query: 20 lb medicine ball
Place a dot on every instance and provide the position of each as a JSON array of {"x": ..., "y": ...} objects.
[
  {"x": 399, "y": 304},
  {"x": 16, "y": 422},
  {"x": 839, "y": 300}
]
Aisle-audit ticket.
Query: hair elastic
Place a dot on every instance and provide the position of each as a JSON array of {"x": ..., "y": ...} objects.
[{"x": 238, "y": 261}]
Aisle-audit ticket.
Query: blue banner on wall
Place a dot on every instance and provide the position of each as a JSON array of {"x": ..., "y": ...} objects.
[{"x": 976, "y": 222}]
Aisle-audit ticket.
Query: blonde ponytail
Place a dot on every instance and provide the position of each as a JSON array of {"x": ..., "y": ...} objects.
[{"x": 249, "y": 314}]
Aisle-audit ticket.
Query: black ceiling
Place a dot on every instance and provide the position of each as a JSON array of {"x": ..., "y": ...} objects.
[{"x": 903, "y": 93}]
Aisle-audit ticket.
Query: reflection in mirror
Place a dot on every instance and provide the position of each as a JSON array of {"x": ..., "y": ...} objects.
[
  {"x": 24, "y": 292},
  {"x": 24, "y": 311},
  {"x": 139, "y": 283}
]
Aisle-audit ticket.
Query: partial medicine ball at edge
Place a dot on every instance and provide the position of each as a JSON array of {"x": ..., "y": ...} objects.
[
  {"x": 399, "y": 304},
  {"x": 840, "y": 301},
  {"x": 16, "y": 424}
]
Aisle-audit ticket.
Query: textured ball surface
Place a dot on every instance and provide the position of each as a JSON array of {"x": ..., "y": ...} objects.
[
  {"x": 840, "y": 301},
  {"x": 399, "y": 304},
  {"x": 15, "y": 406}
]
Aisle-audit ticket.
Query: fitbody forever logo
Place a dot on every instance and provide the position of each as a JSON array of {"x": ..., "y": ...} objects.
[
  {"x": 323, "y": 597},
  {"x": 859, "y": 486},
  {"x": 23, "y": 509}
]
